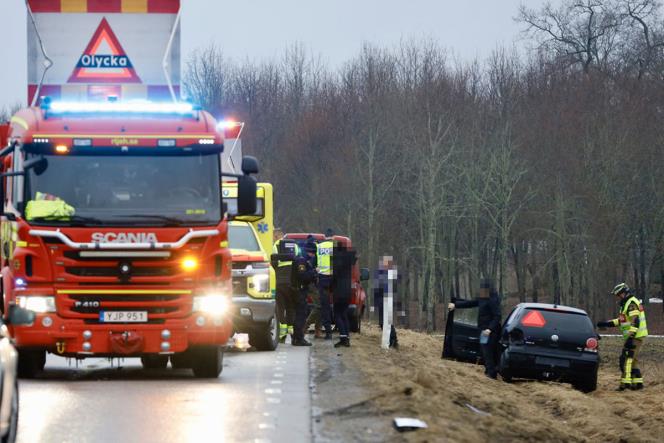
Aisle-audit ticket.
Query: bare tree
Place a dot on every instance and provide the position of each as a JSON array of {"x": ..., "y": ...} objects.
[{"x": 580, "y": 31}]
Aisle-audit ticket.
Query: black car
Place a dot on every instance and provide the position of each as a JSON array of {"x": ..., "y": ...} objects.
[{"x": 538, "y": 341}]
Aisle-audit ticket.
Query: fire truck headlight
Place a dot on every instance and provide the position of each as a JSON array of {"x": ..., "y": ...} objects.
[
  {"x": 261, "y": 282},
  {"x": 36, "y": 303},
  {"x": 216, "y": 304},
  {"x": 189, "y": 264}
]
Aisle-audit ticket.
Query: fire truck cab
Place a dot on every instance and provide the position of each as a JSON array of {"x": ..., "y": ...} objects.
[{"x": 114, "y": 233}]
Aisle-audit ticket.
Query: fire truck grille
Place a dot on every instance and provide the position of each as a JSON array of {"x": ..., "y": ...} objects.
[
  {"x": 159, "y": 307},
  {"x": 114, "y": 271}
]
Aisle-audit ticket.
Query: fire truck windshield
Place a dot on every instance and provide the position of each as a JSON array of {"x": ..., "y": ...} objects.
[{"x": 181, "y": 188}]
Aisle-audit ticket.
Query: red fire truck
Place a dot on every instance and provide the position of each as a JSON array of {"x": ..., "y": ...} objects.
[{"x": 114, "y": 233}]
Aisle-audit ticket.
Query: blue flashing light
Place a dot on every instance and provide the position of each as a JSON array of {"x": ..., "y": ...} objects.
[
  {"x": 19, "y": 282},
  {"x": 130, "y": 107}
]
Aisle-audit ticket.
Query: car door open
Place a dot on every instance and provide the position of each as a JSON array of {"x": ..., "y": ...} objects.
[{"x": 462, "y": 340}]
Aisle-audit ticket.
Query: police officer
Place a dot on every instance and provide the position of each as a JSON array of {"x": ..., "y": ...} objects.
[
  {"x": 286, "y": 295},
  {"x": 324, "y": 261},
  {"x": 632, "y": 323},
  {"x": 488, "y": 320},
  {"x": 305, "y": 273},
  {"x": 343, "y": 262}
]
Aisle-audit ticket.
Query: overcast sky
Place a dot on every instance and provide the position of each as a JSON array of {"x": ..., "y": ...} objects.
[{"x": 335, "y": 29}]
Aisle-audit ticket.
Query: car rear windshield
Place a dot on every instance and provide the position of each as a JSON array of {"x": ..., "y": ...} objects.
[{"x": 561, "y": 320}]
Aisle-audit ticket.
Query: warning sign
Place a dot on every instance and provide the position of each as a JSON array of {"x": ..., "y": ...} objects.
[
  {"x": 89, "y": 50},
  {"x": 104, "y": 60}
]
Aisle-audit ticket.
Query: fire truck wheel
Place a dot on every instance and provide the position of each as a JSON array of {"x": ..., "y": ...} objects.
[
  {"x": 31, "y": 362},
  {"x": 180, "y": 360},
  {"x": 265, "y": 337},
  {"x": 207, "y": 361},
  {"x": 152, "y": 361}
]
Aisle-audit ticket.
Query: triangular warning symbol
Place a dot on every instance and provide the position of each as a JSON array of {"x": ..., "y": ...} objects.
[
  {"x": 534, "y": 319},
  {"x": 97, "y": 65}
]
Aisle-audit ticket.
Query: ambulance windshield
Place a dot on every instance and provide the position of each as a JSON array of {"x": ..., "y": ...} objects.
[{"x": 130, "y": 190}]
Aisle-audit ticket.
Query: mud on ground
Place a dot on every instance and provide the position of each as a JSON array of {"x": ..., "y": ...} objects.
[{"x": 358, "y": 391}]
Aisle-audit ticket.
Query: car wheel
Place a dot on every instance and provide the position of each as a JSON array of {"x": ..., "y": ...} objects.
[
  {"x": 585, "y": 384},
  {"x": 207, "y": 361},
  {"x": 154, "y": 361},
  {"x": 30, "y": 362},
  {"x": 265, "y": 337},
  {"x": 10, "y": 437},
  {"x": 356, "y": 323},
  {"x": 505, "y": 373}
]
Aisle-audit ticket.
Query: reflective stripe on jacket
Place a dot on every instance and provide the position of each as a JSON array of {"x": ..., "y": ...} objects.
[
  {"x": 292, "y": 246},
  {"x": 324, "y": 257},
  {"x": 626, "y": 320}
]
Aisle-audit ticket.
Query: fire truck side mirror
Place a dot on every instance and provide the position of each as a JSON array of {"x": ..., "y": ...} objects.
[
  {"x": 249, "y": 165},
  {"x": 246, "y": 195},
  {"x": 364, "y": 274}
]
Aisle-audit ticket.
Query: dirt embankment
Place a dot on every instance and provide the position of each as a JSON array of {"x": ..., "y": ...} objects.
[{"x": 415, "y": 382}]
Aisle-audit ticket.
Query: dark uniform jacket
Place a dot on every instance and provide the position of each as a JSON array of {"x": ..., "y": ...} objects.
[
  {"x": 342, "y": 272},
  {"x": 488, "y": 315},
  {"x": 304, "y": 271}
]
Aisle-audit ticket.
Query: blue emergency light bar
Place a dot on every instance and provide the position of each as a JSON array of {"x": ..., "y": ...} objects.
[{"x": 112, "y": 107}]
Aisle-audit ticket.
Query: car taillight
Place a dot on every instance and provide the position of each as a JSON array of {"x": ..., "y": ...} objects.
[{"x": 591, "y": 345}]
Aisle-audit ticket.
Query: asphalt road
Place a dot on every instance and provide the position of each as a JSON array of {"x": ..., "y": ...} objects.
[{"x": 259, "y": 397}]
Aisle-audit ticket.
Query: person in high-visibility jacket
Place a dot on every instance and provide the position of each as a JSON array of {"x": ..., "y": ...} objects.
[
  {"x": 324, "y": 262},
  {"x": 286, "y": 291},
  {"x": 632, "y": 323}
]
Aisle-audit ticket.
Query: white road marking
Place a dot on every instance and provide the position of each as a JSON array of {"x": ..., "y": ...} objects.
[
  {"x": 273, "y": 391},
  {"x": 274, "y": 400},
  {"x": 278, "y": 374},
  {"x": 276, "y": 382},
  {"x": 265, "y": 426}
]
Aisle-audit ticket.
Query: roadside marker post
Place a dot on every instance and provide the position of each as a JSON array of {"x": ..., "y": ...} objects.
[{"x": 388, "y": 309}]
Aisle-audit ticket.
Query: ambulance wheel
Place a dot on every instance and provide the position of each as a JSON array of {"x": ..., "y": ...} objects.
[
  {"x": 30, "y": 362},
  {"x": 207, "y": 361},
  {"x": 265, "y": 336},
  {"x": 154, "y": 361}
]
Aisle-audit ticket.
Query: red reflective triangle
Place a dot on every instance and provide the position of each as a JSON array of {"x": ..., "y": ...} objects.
[
  {"x": 534, "y": 319},
  {"x": 116, "y": 74}
]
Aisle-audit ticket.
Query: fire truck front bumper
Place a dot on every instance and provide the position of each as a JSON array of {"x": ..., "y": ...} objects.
[{"x": 76, "y": 338}]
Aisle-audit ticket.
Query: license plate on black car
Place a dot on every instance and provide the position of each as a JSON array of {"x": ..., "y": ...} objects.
[{"x": 552, "y": 362}]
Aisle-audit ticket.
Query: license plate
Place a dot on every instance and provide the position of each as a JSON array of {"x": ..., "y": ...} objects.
[
  {"x": 553, "y": 362},
  {"x": 123, "y": 316}
]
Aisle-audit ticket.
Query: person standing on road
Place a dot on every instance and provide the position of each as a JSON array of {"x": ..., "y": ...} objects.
[
  {"x": 380, "y": 287},
  {"x": 632, "y": 323},
  {"x": 342, "y": 263},
  {"x": 286, "y": 294},
  {"x": 488, "y": 321},
  {"x": 324, "y": 261},
  {"x": 305, "y": 273}
]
